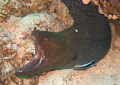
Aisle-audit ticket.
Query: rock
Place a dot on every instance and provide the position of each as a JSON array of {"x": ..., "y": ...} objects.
[
  {"x": 109, "y": 16},
  {"x": 86, "y": 1},
  {"x": 117, "y": 30},
  {"x": 117, "y": 42},
  {"x": 40, "y": 21},
  {"x": 23, "y": 27},
  {"x": 105, "y": 73},
  {"x": 115, "y": 17}
]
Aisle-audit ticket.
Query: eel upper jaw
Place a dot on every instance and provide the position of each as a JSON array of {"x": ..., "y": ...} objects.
[{"x": 36, "y": 61}]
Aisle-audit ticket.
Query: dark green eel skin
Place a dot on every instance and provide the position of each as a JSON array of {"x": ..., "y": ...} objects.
[{"x": 79, "y": 46}]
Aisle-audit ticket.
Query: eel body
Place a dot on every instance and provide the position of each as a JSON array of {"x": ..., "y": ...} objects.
[{"x": 84, "y": 43}]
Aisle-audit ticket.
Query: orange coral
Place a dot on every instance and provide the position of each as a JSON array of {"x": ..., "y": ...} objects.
[
  {"x": 38, "y": 3},
  {"x": 6, "y": 9}
]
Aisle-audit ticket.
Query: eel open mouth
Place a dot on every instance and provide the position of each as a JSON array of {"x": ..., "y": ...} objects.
[{"x": 36, "y": 61}]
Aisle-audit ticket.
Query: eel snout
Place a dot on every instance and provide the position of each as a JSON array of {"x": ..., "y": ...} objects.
[{"x": 35, "y": 62}]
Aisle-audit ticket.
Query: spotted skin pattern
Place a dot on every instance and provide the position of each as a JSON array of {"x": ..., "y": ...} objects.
[{"x": 87, "y": 40}]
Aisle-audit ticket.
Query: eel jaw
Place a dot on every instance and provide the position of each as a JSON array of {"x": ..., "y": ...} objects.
[{"x": 35, "y": 62}]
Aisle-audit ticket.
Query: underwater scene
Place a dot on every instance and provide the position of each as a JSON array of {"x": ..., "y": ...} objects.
[{"x": 59, "y": 42}]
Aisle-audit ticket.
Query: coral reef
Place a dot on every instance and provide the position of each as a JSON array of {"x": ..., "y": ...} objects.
[
  {"x": 7, "y": 8},
  {"x": 24, "y": 8},
  {"x": 116, "y": 4},
  {"x": 111, "y": 9},
  {"x": 8, "y": 48},
  {"x": 53, "y": 7},
  {"x": 20, "y": 8},
  {"x": 39, "y": 21},
  {"x": 21, "y": 30},
  {"x": 26, "y": 1},
  {"x": 108, "y": 8},
  {"x": 31, "y": 6},
  {"x": 15, "y": 33},
  {"x": 8, "y": 51},
  {"x": 40, "y": 4}
]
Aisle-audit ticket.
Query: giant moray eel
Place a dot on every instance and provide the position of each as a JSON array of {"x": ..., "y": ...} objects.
[{"x": 79, "y": 46}]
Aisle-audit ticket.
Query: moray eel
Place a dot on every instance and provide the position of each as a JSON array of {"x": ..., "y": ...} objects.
[{"x": 79, "y": 46}]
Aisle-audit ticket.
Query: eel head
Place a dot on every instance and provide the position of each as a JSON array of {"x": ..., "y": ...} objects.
[{"x": 37, "y": 64}]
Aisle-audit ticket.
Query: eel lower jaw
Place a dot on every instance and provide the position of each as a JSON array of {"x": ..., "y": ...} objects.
[{"x": 35, "y": 62}]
